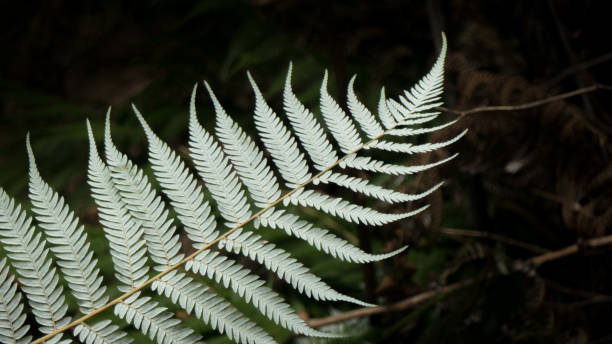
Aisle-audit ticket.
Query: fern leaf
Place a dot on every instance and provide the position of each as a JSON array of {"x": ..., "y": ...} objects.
[
  {"x": 361, "y": 114},
  {"x": 402, "y": 114},
  {"x": 210, "y": 308},
  {"x": 144, "y": 205},
  {"x": 383, "y": 111},
  {"x": 124, "y": 232},
  {"x": 38, "y": 278},
  {"x": 252, "y": 289},
  {"x": 280, "y": 262},
  {"x": 410, "y": 148},
  {"x": 425, "y": 94},
  {"x": 303, "y": 281},
  {"x": 261, "y": 183},
  {"x": 237, "y": 241},
  {"x": 308, "y": 130},
  {"x": 279, "y": 141},
  {"x": 346, "y": 210},
  {"x": 102, "y": 332},
  {"x": 321, "y": 239},
  {"x": 207, "y": 154},
  {"x": 365, "y": 187},
  {"x": 128, "y": 251},
  {"x": 214, "y": 168},
  {"x": 186, "y": 196},
  {"x": 247, "y": 159},
  {"x": 69, "y": 240},
  {"x": 418, "y": 131},
  {"x": 417, "y": 120},
  {"x": 12, "y": 318},
  {"x": 372, "y": 165},
  {"x": 339, "y": 124},
  {"x": 154, "y": 320}
]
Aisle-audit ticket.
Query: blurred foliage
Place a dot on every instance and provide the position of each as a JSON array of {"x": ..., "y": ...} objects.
[{"x": 540, "y": 176}]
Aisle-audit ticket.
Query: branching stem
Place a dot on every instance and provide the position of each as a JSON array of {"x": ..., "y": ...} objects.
[{"x": 529, "y": 105}]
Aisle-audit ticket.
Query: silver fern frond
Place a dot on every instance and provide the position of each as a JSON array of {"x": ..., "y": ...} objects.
[
  {"x": 361, "y": 114},
  {"x": 12, "y": 318},
  {"x": 252, "y": 188},
  {"x": 144, "y": 205},
  {"x": 38, "y": 277},
  {"x": 68, "y": 239}
]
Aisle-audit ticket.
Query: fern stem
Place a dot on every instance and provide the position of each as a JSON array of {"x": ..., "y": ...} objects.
[{"x": 208, "y": 245}]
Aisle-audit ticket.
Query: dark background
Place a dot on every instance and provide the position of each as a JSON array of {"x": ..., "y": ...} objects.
[{"x": 541, "y": 176}]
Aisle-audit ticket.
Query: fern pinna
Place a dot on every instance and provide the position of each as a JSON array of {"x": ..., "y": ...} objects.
[{"x": 142, "y": 235}]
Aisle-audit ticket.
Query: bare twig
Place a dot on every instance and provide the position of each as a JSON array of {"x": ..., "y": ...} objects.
[
  {"x": 580, "y": 77},
  {"x": 577, "y": 68},
  {"x": 529, "y": 105},
  {"x": 567, "y": 251},
  {"x": 399, "y": 306},
  {"x": 592, "y": 301},
  {"x": 492, "y": 236},
  {"x": 419, "y": 298},
  {"x": 573, "y": 291}
]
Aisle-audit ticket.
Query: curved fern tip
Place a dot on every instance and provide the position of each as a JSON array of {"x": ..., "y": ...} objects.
[
  {"x": 443, "y": 49},
  {"x": 108, "y": 140},
  {"x": 89, "y": 132},
  {"x": 28, "y": 146},
  {"x": 135, "y": 109},
  {"x": 192, "y": 108},
  {"x": 352, "y": 81},
  {"x": 31, "y": 158},
  {"x": 213, "y": 98},
  {"x": 194, "y": 90},
  {"x": 253, "y": 84},
  {"x": 288, "y": 78},
  {"x": 324, "y": 82},
  {"x": 107, "y": 116},
  {"x": 143, "y": 123},
  {"x": 90, "y": 136}
]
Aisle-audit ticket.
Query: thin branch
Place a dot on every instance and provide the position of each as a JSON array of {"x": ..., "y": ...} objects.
[
  {"x": 419, "y": 298},
  {"x": 399, "y": 306},
  {"x": 573, "y": 291},
  {"x": 492, "y": 236},
  {"x": 570, "y": 250},
  {"x": 529, "y": 105},
  {"x": 591, "y": 301},
  {"x": 580, "y": 78},
  {"x": 578, "y": 68}
]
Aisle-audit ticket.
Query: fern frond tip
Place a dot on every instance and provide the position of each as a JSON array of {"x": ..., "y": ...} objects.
[{"x": 33, "y": 169}]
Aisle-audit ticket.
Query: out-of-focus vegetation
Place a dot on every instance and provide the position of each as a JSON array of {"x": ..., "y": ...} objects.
[{"x": 541, "y": 176}]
